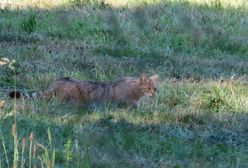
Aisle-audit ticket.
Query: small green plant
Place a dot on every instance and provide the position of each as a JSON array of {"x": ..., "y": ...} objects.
[
  {"x": 52, "y": 154},
  {"x": 5, "y": 151},
  {"x": 86, "y": 157},
  {"x": 68, "y": 153},
  {"x": 215, "y": 99},
  {"x": 100, "y": 74},
  {"x": 174, "y": 98},
  {"x": 216, "y": 4},
  {"x": 29, "y": 24}
]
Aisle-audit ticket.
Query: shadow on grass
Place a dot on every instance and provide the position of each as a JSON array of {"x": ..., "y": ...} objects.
[
  {"x": 196, "y": 139},
  {"x": 199, "y": 139}
]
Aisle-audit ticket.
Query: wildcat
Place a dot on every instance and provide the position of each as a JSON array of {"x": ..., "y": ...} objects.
[{"x": 127, "y": 90}]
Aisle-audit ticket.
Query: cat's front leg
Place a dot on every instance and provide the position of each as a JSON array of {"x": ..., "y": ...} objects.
[{"x": 132, "y": 103}]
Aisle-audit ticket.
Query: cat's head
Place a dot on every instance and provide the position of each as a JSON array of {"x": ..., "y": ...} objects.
[{"x": 147, "y": 86}]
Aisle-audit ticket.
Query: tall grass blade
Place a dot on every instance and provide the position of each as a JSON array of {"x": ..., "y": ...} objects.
[
  {"x": 5, "y": 151},
  {"x": 23, "y": 152},
  {"x": 14, "y": 134},
  {"x": 30, "y": 149},
  {"x": 68, "y": 153}
]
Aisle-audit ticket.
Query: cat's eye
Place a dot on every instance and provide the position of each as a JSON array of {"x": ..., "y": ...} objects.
[{"x": 155, "y": 89}]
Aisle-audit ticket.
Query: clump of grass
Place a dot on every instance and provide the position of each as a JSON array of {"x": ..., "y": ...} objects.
[
  {"x": 140, "y": 18},
  {"x": 216, "y": 4},
  {"x": 29, "y": 24},
  {"x": 173, "y": 99},
  {"x": 216, "y": 99},
  {"x": 43, "y": 157},
  {"x": 81, "y": 3},
  {"x": 7, "y": 163}
]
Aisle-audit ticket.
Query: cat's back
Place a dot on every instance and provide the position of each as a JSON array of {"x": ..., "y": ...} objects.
[
  {"x": 121, "y": 87},
  {"x": 64, "y": 82},
  {"x": 125, "y": 81},
  {"x": 75, "y": 90},
  {"x": 71, "y": 83}
]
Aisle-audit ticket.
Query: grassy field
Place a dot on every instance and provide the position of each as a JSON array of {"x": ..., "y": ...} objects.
[{"x": 197, "y": 119}]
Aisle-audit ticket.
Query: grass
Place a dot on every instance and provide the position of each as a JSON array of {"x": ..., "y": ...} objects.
[{"x": 198, "y": 48}]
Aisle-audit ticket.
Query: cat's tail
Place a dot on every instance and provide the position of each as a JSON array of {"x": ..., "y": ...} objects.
[{"x": 15, "y": 94}]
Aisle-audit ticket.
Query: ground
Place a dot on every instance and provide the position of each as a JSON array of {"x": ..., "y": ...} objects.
[{"x": 197, "y": 119}]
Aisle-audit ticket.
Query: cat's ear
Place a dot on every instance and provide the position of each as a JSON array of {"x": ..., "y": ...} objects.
[
  {"x": 154, "y": 78},
  {"x": 143, "y": 78}
]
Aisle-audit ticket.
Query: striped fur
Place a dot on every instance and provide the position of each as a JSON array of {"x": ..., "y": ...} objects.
[
  {"x": 127, "y": 90},
  {"x": 18, "y": 94}
]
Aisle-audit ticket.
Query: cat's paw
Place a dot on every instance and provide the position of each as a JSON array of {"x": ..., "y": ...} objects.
[{"x": 134, "y": 104}]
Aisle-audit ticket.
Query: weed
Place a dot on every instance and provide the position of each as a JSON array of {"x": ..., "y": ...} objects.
[
  {"x": 216, "y": 4},
  {"x": 68, "y": 153},
  {"x": 5, "y": 152},
  {"x": 30, "y": 149},
  {"x": 14, "y": 134},
  {"x": 23, "y": 152},
  {"x": 219, "y": 98},
  {"x": 29, "y": 24}
]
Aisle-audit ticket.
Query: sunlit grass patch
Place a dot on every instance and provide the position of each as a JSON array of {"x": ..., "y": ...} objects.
[
  {"x": 42, "y": 4},
  {"x": 224, "y": 96}
]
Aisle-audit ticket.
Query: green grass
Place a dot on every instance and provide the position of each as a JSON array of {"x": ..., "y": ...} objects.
[{"x": 197, "y": 119}]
